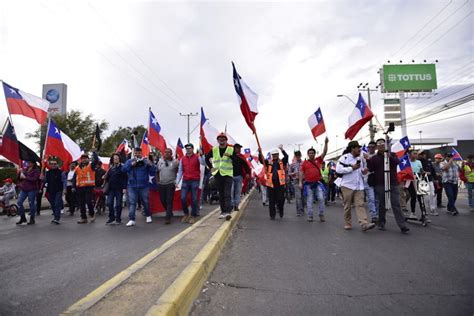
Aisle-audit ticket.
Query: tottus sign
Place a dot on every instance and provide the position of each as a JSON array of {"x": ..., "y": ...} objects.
[{"x": 415, "y": 78}]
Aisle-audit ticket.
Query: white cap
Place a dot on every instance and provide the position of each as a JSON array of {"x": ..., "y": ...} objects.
[{"x": 275, "y": 151}]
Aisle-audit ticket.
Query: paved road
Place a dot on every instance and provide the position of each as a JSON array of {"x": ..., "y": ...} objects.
[
  {"x": 292, "y": 267},
  {"x": 46, "y": 268}
]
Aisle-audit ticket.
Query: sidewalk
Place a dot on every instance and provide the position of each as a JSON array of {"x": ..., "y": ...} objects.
[{"x": 292, "y": 267}]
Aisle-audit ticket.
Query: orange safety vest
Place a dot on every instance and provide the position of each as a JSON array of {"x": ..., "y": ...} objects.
[
  {"x": 281, "y": 175},
  {"x": 85, "y": 177}
]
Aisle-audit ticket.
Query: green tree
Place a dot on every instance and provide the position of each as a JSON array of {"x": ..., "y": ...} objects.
[
  {"x": 110, "y": 143},
  {"x": 79, "y": 127}
]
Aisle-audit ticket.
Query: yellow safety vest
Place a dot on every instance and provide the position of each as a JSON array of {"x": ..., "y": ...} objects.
[{"x": 223, "y": 164}]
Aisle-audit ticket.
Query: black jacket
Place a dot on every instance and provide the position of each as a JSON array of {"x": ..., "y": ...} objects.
[{"x": 117, "y": 178}]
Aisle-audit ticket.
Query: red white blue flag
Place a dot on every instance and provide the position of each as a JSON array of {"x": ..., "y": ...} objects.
[
  {"x": 145, "y": 145},
  {"x": 10, "y": 147},
  {"x": 400, "y": 147},
  {"x": 60, "y": 145},
  {"x": 209, "y": 133},
  {"x": 179, "y": 149},
  {"x": 123, "y": 147},
  {"x": 358, "y": 118},
  {"x": 22, "y": 103},
  {"x": 155, "y": 136},
  {"x": 404, "y": 170},
  {"x": 456, "y": 155},
  {"x": 316, "y": 123},
  {"x": 247, "y": 99}
]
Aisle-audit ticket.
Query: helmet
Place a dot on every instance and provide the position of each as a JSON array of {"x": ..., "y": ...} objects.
[
  {"x": 438, "y": 156},
  {"x": 222, "y": 135},
  {"x": 275, "y": 152}
]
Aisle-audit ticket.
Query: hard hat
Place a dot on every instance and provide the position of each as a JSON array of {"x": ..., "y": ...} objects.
[
  {"x": 9, "y": 180},
  {"x": 222, "y": 135},
  {"x": 438, "y": 156},
  {"x": 275, "y": 152}
]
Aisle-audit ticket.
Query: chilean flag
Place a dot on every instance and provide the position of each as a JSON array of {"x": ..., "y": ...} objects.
[
  {"x": 359, "y": 116},
  {"x": 179, "y": 149},
  {"x": 316, "y": 123},
  {"x": 208, "y": 134},
  {"x": 10, "y": 147},
  {"x": 365, "y": 149},
  {"x": 247, "y": 153},
  {"x": 155, "y": 138},
  {"x": 123, "y": 147},
  {"x": 145, "y": 146},
  {"x": 247, "y": 99},
  {"x": 404, "y": 170},
  {"x": 60, "y": 145},
  {"x": 400, "y": 147},
  {"x": 22, "y": 103},
  {"x": 456, "y": 155}
]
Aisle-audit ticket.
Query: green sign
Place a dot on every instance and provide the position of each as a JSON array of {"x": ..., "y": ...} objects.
[
  {"x": 391, "y": 101},
  {"x": 416, "y": 78}
]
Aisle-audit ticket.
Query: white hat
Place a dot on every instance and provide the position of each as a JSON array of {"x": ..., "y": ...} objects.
[{"x": 275, "y": 151}]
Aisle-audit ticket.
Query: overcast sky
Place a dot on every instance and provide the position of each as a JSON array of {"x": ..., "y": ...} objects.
[{"x": 119, "y": 58}]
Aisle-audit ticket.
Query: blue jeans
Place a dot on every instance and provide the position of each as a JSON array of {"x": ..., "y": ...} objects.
[
  {"x": 31, "y": 195},
  {"x": 371, "y": 200},
  {"x": 470, "y": 198},
  {"x": 451, "y": 190},
  {"x": 236, "y": 191},
  {"x": 310, "y": 191},
  {"x": 133, "y": 195},
  {"x": 55, "y": 199},
  {"x": 186, "y": 186},
  {"x": 114, "y": 203}
]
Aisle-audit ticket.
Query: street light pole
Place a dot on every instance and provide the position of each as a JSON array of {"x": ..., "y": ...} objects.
[
  {"x": 188, "y": 115},
  {"x": 421, "y": 146}
]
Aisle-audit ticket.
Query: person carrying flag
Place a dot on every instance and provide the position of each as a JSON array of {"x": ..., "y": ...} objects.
[
  {"x": 310, "y": 181},
  {"x": 450, "y": 182},
  {"x": 376, "y": 166},
  {"x": 275, "y": 170},
  {"x": 222, "y": 169},
  {"x": 29, "y": 185}
]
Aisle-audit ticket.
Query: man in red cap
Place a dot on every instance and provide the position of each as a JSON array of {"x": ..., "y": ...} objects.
[
  {"x": 7, "y": 192},
  {"x": 223, "y": 171}
]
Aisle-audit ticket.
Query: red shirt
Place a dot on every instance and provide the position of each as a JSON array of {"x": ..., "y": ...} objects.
[{"x": 312, "y": 170}]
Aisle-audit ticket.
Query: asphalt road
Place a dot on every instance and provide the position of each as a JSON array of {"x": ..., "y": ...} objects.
[
  {"x": 45, "y": 268},
  {"x": 292, "y": 267}
]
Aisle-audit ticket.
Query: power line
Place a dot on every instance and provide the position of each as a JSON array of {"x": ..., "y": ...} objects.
[
  {"x": 441, "y": 119},
  {"x": 442, "y": 108},
  {"x": 444, "y": 97},
  {"x": 442, "y": 35},
  {"x": 436, "y": 27},
  {"x": 422, "y": 28}
]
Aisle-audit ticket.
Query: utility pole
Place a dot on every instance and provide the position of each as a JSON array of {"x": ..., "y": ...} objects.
[
  {"x": 188, "y": 115},
  {"x": 365, "y": 87}
]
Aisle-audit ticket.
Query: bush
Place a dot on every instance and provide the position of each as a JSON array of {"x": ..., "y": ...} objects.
[{"x": 8, "y": 173}]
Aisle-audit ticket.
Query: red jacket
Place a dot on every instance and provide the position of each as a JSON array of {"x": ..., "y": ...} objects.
[{"x": 191, "y": 167}]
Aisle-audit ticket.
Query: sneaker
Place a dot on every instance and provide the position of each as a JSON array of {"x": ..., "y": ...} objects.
[
  {"x": 413, "y": 216},
  {"x": 185, "y": 218},
  {"x": 228, "y": 217},
  {"x": 32, "y": 221},
  {"x": 236, "y": 209},
  {"x": 321, "y": 218},
  {"x": 82, "y": 221},
  {"x": 148, "y": 219},
  {"x": 222, "y": 215},
  {"x": 299, "y": 214},
  {"x": 118, "y": 222},
  {"x": 110, "y": 222},
  {"x": 55, "y": 221},
  {"x": 404, "y": 230},
  {"x": 374, "y": 220},
  {"x": 310, "y": 218},
  {"x": 348, "y": 227},
  {"x": 62, "y": 211},
  {"x": 455, "y": 212},
  {"x": 434, "y": 213},
  {"x": 272, "y": 218},
  {"x": 281, "y": 214},
  {"x": 168, "y": 221},
  {"x": 192, "y": 220},
  {"x": 367, "y": 227},
  {"x": 382, "y": 228},
  {"x": 130, "y": 223},
  {"x": 93, "y": 218},
  {"x": 22, "y": 221}
]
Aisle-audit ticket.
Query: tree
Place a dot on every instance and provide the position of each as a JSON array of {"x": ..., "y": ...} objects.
[
  {"x": 78, "y": 127},
  {"x": 117, "y": 136}
]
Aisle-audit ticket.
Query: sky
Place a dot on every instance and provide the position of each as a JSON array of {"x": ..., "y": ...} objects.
[{"x": 119, "y": 58}]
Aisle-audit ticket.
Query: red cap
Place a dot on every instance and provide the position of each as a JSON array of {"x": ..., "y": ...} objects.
[{"x": 222, "y": 135}]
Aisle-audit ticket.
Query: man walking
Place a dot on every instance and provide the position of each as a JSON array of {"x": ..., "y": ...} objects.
[
  {"x": 376, "y": 165},
  {"x": 369, "y": 185},
  {"x": 138, "y": 169},
  {"x": 190, "y": 172},
  {"x": 54, "y": 183},
  {"x": 222, "y": 169},
  {"x": 240, "y": 170},
  {"x": 468, "y": 169},
  {"x": 84, "y": 186},
  {"x": 276, "y": 177},
  {"x": 310, "y": 181},
  {"x": 167, "y": 172},
  {"x": 430, "y": 172},
  {"x": 352, "y": 186},
  {"x": 438, "y": 180},
  {"x": 450, "y": 182},
  {"x": 294, "y": 174}
]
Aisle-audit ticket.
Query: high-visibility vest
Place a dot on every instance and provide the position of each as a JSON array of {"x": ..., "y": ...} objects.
[
  {"x": 85, "y": 177},
  {"x": 223, "y": 164},
  {"x": 281, "y": 174}
]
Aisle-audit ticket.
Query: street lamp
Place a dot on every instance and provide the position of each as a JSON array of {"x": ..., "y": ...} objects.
[
  {"x": 421, "y": 146},
  {"x": 343, "y": 95}
]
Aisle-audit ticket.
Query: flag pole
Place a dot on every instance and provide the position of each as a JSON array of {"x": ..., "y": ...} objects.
[{"x": 45, "y": 146}]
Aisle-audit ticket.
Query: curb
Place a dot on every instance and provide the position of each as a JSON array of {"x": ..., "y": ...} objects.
[
  {"x": 81, "y": 306},
  {"x": 180, "y": 295}
]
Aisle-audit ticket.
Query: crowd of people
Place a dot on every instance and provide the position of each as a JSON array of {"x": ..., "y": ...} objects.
[{"x": 357, "y": 177}]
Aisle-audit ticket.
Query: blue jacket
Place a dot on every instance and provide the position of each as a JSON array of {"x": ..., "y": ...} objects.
[
  {"x": 138, "y": 177},
  {"x": 117, "y": 178}
]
